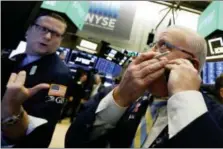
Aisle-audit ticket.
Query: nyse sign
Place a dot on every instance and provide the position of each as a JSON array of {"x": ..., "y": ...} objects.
[
  {"x": 112, "y": 19},
  {"x": 103, "y": 14},
  {"x": 100, "y": 21}
]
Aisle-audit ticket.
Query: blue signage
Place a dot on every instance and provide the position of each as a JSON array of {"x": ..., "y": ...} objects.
[
  {"x": 110, "y": 18},
  {"x": 106, "y": 8}
]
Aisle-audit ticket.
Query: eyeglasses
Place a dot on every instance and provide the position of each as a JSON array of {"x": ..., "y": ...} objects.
[
  {"x": 45, "y": 30},
  {"x": 166, "y": 45}
]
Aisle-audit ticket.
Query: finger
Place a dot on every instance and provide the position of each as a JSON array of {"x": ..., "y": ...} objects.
[
  {"x": 171, "y": 66},
  {"x": 153, "y": 67},
  {"x": 186, "y": 62},
  {"x": 153, "y": 76},
  {"x": 160, "y": 55},
  {"x": 37, "y": 88},
  {"x": 147, "y": 62},
  {"x": 180, "y": 61},
  {"x": 12, "y": 79},
  {"x": 144, "y": 56},
  {"x": 175, "y": 61},
  {"x": 21, "y": 77}
]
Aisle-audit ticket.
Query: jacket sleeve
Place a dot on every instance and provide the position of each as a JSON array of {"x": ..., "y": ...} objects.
[
  {"x": 208, "y": 135},
  {"x": 39, "y": 138},
  {"x": 204, "y": 130}
]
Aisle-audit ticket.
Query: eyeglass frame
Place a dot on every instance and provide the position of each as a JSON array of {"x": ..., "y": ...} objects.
[
  {"x": 171, "y": 46},
  {"x": 46, "y": 30}
]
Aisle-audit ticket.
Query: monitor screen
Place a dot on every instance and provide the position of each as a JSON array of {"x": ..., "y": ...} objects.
[
  {"x": 115, "y": 56},
  {"x": 105, "y": 66},
  {"x": 82, "y": 59},
  {"x": 211, "y": 71},
  {"x": 88, "y": 44}
]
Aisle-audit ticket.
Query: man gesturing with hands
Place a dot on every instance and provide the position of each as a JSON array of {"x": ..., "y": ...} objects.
[
  {"x": 16, "y": 94},
  {"x": 156, "y": 104}
]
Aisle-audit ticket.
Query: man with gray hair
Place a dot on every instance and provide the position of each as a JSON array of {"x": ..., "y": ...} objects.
[{"x": 156, "y": 104}]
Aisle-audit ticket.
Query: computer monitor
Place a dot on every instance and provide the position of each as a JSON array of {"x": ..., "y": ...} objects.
[{"x": 82, "y": 59}]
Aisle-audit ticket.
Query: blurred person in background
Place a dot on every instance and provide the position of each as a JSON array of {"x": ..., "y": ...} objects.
[
  {"x": 214, "y": 91},
  {"x": 78, "y": 92},
  {"x": 209, "y": 90},
  {"x": 219, "y": 87},
  {"x": 98, "y": 85}
]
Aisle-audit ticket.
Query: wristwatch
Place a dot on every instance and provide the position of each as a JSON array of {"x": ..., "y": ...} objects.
[{"x": 9, "y": 121}]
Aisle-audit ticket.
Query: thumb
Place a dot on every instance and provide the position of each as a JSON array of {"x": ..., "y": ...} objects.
[{"x": 37, "y": 88}]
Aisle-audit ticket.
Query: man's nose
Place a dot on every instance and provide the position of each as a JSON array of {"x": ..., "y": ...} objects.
[{"x": 48, "y": 36}]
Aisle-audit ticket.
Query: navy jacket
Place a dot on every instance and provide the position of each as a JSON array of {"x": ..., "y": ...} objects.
[
  {"x": 205, "y": 131},
  {"x": 50, "y": 69}
]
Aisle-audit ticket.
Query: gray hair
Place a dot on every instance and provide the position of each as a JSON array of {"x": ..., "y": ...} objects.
[{"x": 195, "y": 42}]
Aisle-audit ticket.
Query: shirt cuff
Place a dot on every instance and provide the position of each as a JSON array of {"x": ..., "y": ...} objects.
[
  {"x": 109, "y": 111},
  {"x": 183, "y": 108},
  {"x": 34, "y": 122}
]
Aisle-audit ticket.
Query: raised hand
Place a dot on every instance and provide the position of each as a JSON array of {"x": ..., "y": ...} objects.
[
  {"x": 183, "y": 76},
  {"x": 138, "y": 76}
]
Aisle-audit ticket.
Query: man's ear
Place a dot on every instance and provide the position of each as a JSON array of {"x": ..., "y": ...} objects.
[{"x": 196, "y": 63}]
